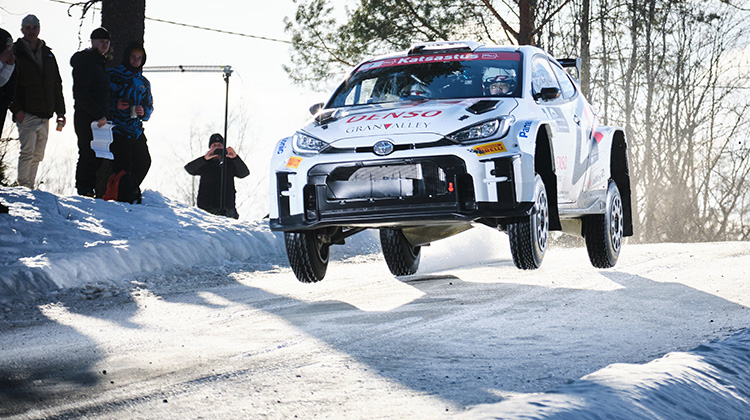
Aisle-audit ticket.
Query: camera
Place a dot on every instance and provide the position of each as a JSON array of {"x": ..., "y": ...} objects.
[{"x": 217, "y": 152}]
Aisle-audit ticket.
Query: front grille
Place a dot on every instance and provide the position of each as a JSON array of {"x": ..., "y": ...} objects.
[{"x": 383, "y": 181}]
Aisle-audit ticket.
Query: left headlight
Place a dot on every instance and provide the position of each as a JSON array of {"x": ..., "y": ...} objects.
[
  {"x": 498, "y": 127},
  {"x": 306, "y": 144}
]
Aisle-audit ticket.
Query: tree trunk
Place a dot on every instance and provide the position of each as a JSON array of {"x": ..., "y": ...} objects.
[
  {"x": 585, "y": 44},
  {"x": 526, "y": 22},
  {"x": 125, "y": 21}
]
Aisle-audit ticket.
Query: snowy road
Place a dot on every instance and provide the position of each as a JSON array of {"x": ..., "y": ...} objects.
[{"x": 249, "y": 341}]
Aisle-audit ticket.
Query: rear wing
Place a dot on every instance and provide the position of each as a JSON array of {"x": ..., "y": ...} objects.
[{"x": 571, "y": 62}]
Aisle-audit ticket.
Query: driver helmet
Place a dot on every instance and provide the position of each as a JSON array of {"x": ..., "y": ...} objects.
[
  {"x": 499, "y": 85},
  {"x": 418, "y": 89}
]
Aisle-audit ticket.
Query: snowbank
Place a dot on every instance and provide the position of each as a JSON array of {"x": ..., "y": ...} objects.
[{"x": 49, "y": 243}]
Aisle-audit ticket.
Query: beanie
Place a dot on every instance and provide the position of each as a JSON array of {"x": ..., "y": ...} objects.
[
  {"x": 100, "y": 33},
  {"x": 215, "y": 138},
  {"x": 30, "y": 20}
]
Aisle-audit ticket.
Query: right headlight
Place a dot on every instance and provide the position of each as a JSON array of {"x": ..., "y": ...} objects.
[
  {"x": 306, "y": 144},
  {"x": 498, "y": 127}
]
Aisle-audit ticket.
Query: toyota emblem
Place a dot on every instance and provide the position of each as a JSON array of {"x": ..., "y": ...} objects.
[{"x": 383, "y": 148}]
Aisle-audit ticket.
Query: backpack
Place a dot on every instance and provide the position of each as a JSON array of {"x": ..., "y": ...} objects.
[{"x": 120, "y": 187}]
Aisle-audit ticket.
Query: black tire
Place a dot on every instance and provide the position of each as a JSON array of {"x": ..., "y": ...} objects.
[
  {"x": 603, "y": 232},
  {"x": 308, "y": 255},
  {"x": 529, "y": 235},
  {"x": 402, "y": 258}
]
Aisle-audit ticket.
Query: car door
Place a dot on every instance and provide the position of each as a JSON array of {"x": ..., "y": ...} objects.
[
  {"x": 585, "y": 152},
  {"x": 561, "y": 112}
]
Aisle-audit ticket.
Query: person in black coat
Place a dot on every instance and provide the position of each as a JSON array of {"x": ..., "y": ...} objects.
[
  {"x": 91, "y": 94},
  {"x": 209, "y": 167},
  {"x": 7, "y": 84}
]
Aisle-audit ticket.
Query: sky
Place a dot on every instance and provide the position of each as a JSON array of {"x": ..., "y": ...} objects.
[{"x": 265, "y": 105}]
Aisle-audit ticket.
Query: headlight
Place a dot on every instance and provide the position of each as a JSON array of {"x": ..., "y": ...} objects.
[
  {"x": 483, "y": 130},
  {"x": 304, "y": 144}
]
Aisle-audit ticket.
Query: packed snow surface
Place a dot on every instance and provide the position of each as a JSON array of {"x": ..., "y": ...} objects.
[{"x": 50, "y": 244}]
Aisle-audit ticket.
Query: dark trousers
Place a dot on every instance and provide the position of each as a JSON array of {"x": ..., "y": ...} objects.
[
  {"x": 88, "y": 164},
  {"x": 131, "y": 156}
]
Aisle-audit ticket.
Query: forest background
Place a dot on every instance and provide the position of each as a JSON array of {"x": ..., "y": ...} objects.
[{"x": 673, "y": 74}]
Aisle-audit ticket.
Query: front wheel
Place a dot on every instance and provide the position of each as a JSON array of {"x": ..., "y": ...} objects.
[
  {"x": 603, "y": 232},
  {"x": 402, "y": 258},
  {"x": 308, "y": 255},
  {"x": 528, "y": 235}
]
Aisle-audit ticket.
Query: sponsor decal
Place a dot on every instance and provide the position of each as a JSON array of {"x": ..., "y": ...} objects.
[
  {"x": 387, "y": 126},
  {"x": 561, "y": 162},
  {"x": 559, "y": 117},
  {"x": 294, "y": 162},
  {"x": 282, "y": 146},
  {"x": 489, "y": 148},
  {"x": 598, "y": 136},
  {"x": 524, "y": 133},
  {"x": 393, "y": 116},
  {"x": 440, "y": 58}
]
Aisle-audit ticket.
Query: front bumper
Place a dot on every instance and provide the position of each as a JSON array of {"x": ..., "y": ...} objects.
[{"x": 397, "y": 193}]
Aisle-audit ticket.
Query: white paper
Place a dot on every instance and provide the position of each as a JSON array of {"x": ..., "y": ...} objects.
[{"x": 102, "y": 140}]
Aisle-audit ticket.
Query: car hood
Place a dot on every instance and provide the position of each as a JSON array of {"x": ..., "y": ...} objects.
[{"x": 414, "y": 121}]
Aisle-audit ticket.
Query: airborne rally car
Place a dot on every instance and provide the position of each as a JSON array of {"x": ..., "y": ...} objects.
[{"x": 425, "y": 143}]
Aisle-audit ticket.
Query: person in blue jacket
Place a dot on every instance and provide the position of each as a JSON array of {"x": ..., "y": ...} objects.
[{"x": 131, "y": 103}]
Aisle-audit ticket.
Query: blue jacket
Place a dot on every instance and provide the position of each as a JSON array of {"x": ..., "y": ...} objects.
[{"x": 136, "y": 89}]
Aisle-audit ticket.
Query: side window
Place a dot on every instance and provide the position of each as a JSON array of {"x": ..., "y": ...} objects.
[
  {"x": 568, "y": 89},
  {"x": 542, "y": 76}
]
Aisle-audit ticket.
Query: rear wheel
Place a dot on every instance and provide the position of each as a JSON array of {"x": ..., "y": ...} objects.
[
  {"x": 308, "y": 255},
  {"x": 603, "y": 232},
  {"x": 402, "y": 258},
  {"x": 528, "y": 235}
]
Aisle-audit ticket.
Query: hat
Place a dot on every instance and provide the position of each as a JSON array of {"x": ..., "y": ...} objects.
[
  {"x": 100, "y": 33},
  {"x": 215, "y": 138},
  {"x": 30, "y": 20}
]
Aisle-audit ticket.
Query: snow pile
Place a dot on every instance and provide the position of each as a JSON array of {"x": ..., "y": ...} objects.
[
  {"x": 709, "y": 382},
  {"x": 49, "y": 242}
]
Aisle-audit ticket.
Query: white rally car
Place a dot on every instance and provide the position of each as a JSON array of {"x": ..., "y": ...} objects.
[{"x": 425, "y": 143}]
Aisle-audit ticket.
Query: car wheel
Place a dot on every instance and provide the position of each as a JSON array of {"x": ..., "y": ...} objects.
[
  {"x": 308, "y": 255},
  {"x": 603, "y": 232},
  {"x": 529, "y": 235},
  {"x": 401, "y": 256}
]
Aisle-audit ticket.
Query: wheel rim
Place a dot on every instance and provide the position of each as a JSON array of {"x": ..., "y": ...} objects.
[
  {"x": 541, "y": 220},
  {"x": 615, "y": 224},
  {"x": 321, "y": 249}
]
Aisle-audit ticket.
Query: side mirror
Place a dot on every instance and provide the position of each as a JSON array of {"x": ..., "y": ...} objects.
[
  {"x": 315, "y": 108},
  {"x": 550, "y": 93}
]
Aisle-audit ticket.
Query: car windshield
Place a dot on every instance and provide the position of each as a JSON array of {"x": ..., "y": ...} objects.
[{"x": 435, "y": 76}]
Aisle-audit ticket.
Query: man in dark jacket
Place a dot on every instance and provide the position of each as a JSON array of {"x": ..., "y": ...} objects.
[
  {"x": 91, "y": 94},
  {"x": 7, "y": 84},
  {"x": 38, "y": 96},
  {"x": 209, "y": 167},
  {"x": 8, "y": 75}
]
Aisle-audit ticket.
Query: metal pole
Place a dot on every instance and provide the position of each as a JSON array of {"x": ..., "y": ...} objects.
[{"x": 222, "y": 193}]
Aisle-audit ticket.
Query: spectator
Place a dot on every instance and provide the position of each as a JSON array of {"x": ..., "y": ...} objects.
[
  {"x": 7, "y": 83},
  {"x": 91, "y": 95},
  {"x": 131, "y": 104},
  {"x": 7, "y": 75},
  {"x": 38, "y": 96},
  {"x": 209, "y": 167}
]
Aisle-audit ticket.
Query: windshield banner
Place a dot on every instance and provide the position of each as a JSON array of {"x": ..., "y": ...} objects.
[{"x": 440, "y": 58}]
